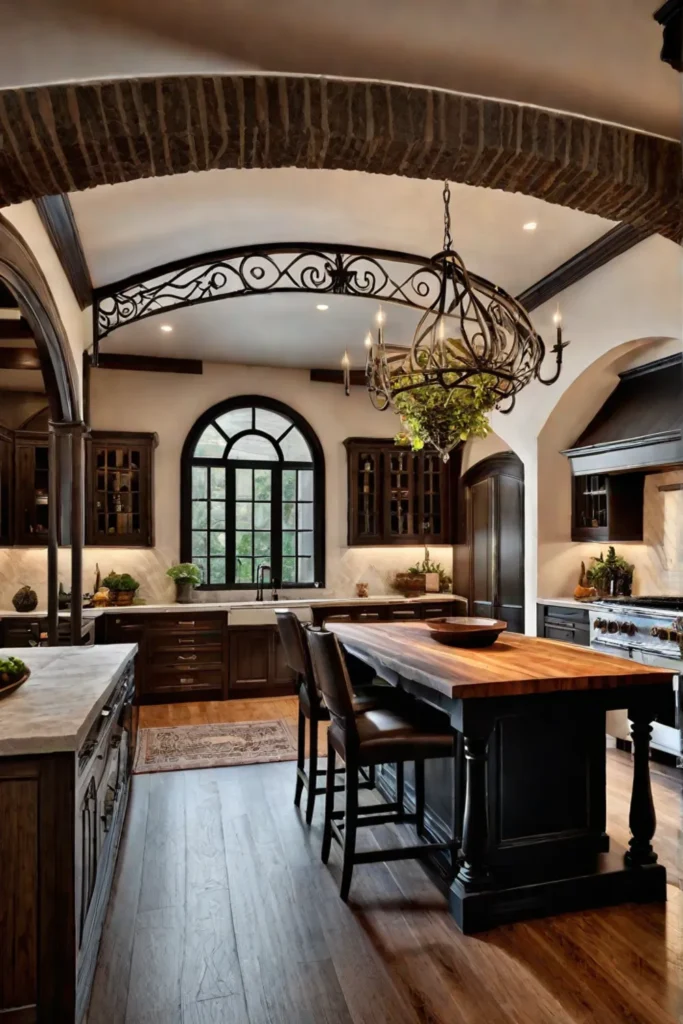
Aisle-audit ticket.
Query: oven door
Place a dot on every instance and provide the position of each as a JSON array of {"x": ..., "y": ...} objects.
[{"x": 666, "y": 732}]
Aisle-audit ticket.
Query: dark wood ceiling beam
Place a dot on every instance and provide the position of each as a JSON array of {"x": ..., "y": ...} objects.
[
  {"x": 15, "y": 330},
  {"x": 337, "y": 377},
  {"x": 149, "y": 364},
  {"x": 57, "y": 216},
  {"x": 616, "y": 241},
  {"x": 19, "y": 359}
]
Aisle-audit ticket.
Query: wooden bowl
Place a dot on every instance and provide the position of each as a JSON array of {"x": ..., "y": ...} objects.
[
  {"x": 11, "y": 687},
  {"x": 466, "y": 631}
]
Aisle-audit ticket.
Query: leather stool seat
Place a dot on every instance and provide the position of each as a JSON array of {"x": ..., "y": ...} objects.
[{"x": 385, "y": 736}]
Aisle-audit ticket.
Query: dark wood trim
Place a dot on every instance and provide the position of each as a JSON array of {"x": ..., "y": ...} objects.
[
  {"x": 259, "y": 401},
  {"x": 337, "y": 377},
  {"x": 148, "y": 364},
  {"x": 58, "y": 219},
  {"x": 15, "y": 330},
  {"x": 670, "y": 17},
  {"x": 19, "y": 359},
  {"x": 674, "y": 362},
  {"x": 616, "y": 241}
]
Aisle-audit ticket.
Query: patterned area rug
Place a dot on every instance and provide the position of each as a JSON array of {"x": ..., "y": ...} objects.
[{"x": 213, "y": 746}]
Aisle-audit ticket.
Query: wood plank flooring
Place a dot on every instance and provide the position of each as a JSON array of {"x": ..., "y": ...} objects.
[{"x": 222, "y": 913}]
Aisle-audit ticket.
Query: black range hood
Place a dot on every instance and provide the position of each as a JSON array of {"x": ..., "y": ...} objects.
[{"x": 640, "y": 426}]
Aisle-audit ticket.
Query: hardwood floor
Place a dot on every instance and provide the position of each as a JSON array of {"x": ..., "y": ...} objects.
[{"x": 222, "y": 913}]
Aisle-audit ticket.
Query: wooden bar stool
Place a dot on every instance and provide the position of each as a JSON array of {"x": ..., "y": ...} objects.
[
  {"x": 365, "y": 740},
  {"x": 311, "y": 709}
]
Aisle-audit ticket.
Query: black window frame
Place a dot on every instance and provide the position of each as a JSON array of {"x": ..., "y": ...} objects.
[{"x": 188, "y": 460}]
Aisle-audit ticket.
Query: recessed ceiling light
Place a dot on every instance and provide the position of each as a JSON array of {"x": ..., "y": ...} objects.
[
  {"x": 166, "y": 328},
  {"x": 530, "y": 225},
  {"x": 322, "y": 307}
]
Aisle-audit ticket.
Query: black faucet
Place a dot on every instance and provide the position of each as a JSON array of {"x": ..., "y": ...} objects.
[{"x": 259, "y": 580}]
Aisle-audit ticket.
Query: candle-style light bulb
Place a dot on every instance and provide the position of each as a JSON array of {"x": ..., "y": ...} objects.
[
  {"x": 368, "y": 341},
  {"x": 380, "y": 318},
  {"x": 346, "y": 369},
  {"x": 345, "y": 360},
  {"x": 557, "y": 318}
]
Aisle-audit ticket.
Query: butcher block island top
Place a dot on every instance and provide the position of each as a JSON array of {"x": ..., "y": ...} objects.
[{"x": 515, "y": 665}]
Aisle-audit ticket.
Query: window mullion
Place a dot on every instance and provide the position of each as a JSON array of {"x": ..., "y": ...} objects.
[
  {"x": 276, "y": 524},
  {"x": 230, "y": 525}
]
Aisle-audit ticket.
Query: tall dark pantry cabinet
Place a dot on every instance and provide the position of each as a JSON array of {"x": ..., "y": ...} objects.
[{"x": 494, "y": 490}]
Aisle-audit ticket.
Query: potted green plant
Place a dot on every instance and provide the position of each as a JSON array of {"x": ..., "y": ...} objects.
[
  {"x": 122, "y": 587},
  {"x": 186, "y": 577},
  {"x": 611, "y": 576},
  {"x": 413, "y": 580}
]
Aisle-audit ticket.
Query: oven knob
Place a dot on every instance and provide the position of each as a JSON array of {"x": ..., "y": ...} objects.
[
  {"x": 654, "y": 631},
  {"x": 663, "y": 634},
  {"x": 627, "y": 627},
  {"x": 612, "y": 627},
  {"x": 600, "y": 624}
]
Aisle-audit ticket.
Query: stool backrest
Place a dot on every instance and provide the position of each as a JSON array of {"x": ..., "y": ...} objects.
[
  {"x": 332, "y": 678},
  {"x": 296, "y": 651}
]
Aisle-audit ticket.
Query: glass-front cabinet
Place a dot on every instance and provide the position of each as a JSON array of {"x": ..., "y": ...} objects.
[
  {"x": 31, "y": 509},
  {"x": 119, "y": 482},
  {"x": 397, "y": 497}
]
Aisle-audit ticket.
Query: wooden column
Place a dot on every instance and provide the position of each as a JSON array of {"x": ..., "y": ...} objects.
[
  {"x": 474, "y": 873},
  {"x": 642, "y": 819},
  {"x": 77, "y": 531},
  {"x": 53, "y": 537}
]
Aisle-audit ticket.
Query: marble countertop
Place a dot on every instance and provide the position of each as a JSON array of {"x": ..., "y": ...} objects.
[
  {"x": 41, "y": 613},
  {"x": 565, "y": 602},
  {"x": 68, "y": 687}
]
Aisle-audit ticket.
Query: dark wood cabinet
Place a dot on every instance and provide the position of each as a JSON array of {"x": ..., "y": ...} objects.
[
  {"x": 119, "y": 482},
  {"x": 607, "y": 507},
  {"x": 62, "y": 816},
  {"x": 390, "y": 612},
  {"x": 30, "y": 488},
  {"x": 257, "y": 664},
  {"x": 560, "y": 622},
  {"x": 6, "y": 482},
  {"x": 396, "y": 496}
]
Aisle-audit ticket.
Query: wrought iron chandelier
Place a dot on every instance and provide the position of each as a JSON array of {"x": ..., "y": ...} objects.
[{"x": 474, "y": 336}]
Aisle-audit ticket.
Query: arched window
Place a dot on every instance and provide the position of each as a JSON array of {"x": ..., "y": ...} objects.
[{"x": 253, "y": 491}]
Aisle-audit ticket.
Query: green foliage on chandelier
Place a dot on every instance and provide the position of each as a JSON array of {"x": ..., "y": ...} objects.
[{"x": 436, "y": 417}]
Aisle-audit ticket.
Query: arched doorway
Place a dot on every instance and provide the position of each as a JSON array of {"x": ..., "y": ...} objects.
[
  {"x": 21, "y": 274},
  {"x": 494, "y": 496}
]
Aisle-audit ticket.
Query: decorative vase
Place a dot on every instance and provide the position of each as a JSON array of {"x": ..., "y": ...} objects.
[
  {"x": 183, "y": 591},
  {"x": 25, "y": 600}
]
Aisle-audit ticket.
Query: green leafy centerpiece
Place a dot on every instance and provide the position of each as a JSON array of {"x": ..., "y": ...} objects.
[
  {"x": 611, "y": 576},
  {"x": 186, "y": 577},
  {"x": 13, "y": 672},
  {"x": 122, "y": 587}
]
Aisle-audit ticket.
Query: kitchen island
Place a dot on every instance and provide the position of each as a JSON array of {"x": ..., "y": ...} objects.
[
  {"x": 528, "y": 790},
  {"x": 67, "y": 742}
]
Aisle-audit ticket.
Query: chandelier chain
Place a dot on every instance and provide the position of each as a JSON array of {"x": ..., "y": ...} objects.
[{"x": 447, "y": 237}]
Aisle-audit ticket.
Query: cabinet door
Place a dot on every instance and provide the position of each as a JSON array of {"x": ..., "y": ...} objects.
[
  {"x": 401, "y": 497},
  {"x": 509, "y": 518},
  {"x": 434, "y": 499},
  {"x": 6, "y": 481},
  {"x": 250, "y": 660},
  {"x": 30, "y": 492},
  {"x": 119, "y": 506},
  {"x": 481, "y": 548},
  {"x": 365, "y": 495}
]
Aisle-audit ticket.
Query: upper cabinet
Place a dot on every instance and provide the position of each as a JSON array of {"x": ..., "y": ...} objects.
[
  {"x": 31, "y": 510},
  {"x": 607, "y": 507},
  {"x": 119, "y": 481},
  {"x": 397, "y": 497},
  {"x": 6, "y": 478}
]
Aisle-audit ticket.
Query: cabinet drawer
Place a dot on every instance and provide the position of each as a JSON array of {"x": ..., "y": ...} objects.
[
  {"x": 158, "y": 640},
  {"x": 404, "y": 613},
  {"x": 190, "y": 657},
  {"x": 169, "y": 623},
  {"x": 174, "y": 680},
  {"x": 440, "y": 611}
]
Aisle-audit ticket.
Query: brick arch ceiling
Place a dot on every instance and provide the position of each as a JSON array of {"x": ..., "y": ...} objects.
[{"x": 66, "y": 138}]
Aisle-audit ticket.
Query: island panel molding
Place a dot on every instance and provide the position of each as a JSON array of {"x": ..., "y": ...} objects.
[{"x": 65, "y": 138}]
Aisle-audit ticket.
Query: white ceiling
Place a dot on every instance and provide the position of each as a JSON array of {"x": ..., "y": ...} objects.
[
  {"x": 599, "y": 58},
  {"x": 132, "y": 227}
]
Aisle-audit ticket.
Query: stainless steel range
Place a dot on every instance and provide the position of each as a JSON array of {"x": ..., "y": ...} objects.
[{"x": 648, "y": 630}]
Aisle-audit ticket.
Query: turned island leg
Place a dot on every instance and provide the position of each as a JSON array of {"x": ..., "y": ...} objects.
[
  {"x": 642, "y": 820},
  {"x": 474, "y": 874}
]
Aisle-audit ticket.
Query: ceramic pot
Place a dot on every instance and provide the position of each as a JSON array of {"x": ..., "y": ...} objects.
[
  {"x": 183, "y": 591},
  {"x": 124, "y": 597}
]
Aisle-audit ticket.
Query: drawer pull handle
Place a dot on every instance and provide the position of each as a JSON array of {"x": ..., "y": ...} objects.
[
  {"x": 187, "y": 657},
  {"x": 181, "y": 641},
  {"x": 187, "y": 679}
]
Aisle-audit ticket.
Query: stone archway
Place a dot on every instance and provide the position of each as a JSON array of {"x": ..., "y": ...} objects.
[{"x": 66, "y": 138}]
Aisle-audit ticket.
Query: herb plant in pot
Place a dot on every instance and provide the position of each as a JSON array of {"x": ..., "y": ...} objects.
[
  {"x": 611, "y": 576},
  {"x": 122, "y": 588},
  {"x": 186, "y": 577}
]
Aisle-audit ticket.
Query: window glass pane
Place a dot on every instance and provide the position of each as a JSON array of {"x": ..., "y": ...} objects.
[
  {"x": 262, "y": 484},
  {"x": 262, "y": 515},
  {"x": 254, "y": 448},
  {"x": 217, "y": 482},
  {"x": 289, "y": 570},
  {"x": 305, "y": 517},
  {"x": 198, "y": 544},
  {"x": 289, "y": 484},
  {"x": 294, "y": 448},
  {"x": 305, "y": 540},
  {"x": 305, "y": 570},
  {"x": 210, "y": 445},
  {"x": 217, "y": 570},
  {"x": 288, "y": 515},
  {"x": 262, "y": 543},
  {"x": 305, "y": 485},
  {"x": 243, "y": 512},
  {"x": 271, "y": 422},
  {"x": 243, "y": 543},
  {"x": 243, "y": 479},
  {"x": 288, "y": 543},
  {"x": 199, "y": 510},
  {"x": 217, "y": 543},
  {"x": 199, "y": 474},
  {"x": 243, "y": 570},
  {"x": 237, "y": 420},
  {"x": 201, "y": 565},
  {"x": 217, "y": 515}
]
